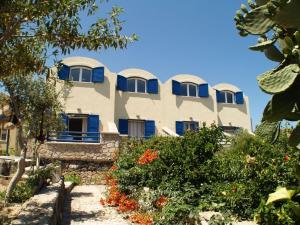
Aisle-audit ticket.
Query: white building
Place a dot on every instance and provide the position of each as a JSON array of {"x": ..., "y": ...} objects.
[{"x": 136, "y": 103}]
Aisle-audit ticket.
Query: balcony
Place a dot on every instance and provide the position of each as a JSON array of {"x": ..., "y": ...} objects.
[{"x": 74, "y": 136}]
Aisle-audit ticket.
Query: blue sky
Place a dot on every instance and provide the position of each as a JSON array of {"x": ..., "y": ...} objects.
[{"x": 188, "y": 36}]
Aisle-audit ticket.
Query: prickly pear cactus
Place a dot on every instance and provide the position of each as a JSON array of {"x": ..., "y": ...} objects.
[{"x": 277, "y": 25}]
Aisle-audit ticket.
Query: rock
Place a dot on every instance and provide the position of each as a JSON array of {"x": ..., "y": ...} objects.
[
  {"x": 4, "y": 167},
  {"x": 73, "y": 166}
]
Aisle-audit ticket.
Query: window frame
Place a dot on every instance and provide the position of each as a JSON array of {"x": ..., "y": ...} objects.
[
  {"x": 188, "y": 125},
  {"x": 81, "y": 68},
  {"x": 1, "y": 131},
  {"x": 136, "y": 79},
  {"x": 188, "y": 84},
  {"x": 141, "y": 122},
  {"x": 226, "y": 92}
]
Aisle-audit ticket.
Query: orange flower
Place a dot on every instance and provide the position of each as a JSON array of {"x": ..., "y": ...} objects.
[
  {"x": 161, "y": 202},
  {"x": 113, "y": 168},
  {"x": 141, "y": 218},
  {"x": 286, "y": 158},
  {"x": 147, "y": 157}
]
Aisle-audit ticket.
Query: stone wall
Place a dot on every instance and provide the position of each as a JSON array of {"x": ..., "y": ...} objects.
[
  {"x": 105, "y": 151},
  {"x": 43, "y": 208}
]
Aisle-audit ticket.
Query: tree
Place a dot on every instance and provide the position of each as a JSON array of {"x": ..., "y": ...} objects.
[
  {"x": 31, "y": 30},
  {"x": 35, "y": 110}
]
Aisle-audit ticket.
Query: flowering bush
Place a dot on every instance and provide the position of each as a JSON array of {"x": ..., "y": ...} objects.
[
  {"x": 170, "y": 185},
  {"x": 148, "y": 157}
]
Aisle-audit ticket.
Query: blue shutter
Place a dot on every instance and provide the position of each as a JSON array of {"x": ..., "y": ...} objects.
[
  {"x": 98, "y": 75},
  {"x": 63, "y": 73},
  {"x": 239, "y": 97},
  {"x": 123, "y": 126},
  {"x": 93, "y": 126},
  {"x": 176, "y": 87},
  {"x": 152, "y": 86},
  {"x": 121, "y": 83},
  {"x": 203, "y": 90},
  {"x": 149, "y": 128},
  {"x": 179, "y": 128}
]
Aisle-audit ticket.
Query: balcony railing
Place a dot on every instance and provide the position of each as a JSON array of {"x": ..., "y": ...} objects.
[{"x": 74, "y": 136}]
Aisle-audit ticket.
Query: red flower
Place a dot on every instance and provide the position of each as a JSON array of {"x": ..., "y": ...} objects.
[
  {"x": 161, "y": 202},
  {"x": 113, "y": 168},
  {"x": 142, "y": 218},
  {"x": 286, "y": 158},
  {"x": 147, "y": 157}
]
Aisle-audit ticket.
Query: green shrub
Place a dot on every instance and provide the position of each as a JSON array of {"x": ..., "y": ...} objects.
[
  {"x": 240, "y": 177},
  {"x": 73, "y": 177},
  {"x": 25, "y": 190},
  {"x": 177, "y": 172},
  {"x": 196, "y": 174}
]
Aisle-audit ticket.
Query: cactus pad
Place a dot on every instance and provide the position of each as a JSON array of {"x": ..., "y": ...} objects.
[
  {"x": 294, "y": 139},
  {"x": 280, "y": 80},
  {"x": 256, "y": 22},
  {"x": 263, "y": 45}
]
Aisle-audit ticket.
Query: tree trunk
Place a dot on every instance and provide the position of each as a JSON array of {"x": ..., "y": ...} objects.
[
  {"x": 16, "y": 178},
  {"x": 21, "y": 165}
]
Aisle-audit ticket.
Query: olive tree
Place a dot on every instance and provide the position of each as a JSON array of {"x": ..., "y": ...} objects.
[{"x": 30, "y": 32}]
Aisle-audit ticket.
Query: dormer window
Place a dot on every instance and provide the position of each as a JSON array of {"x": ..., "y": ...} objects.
[
  {"x": 80, "y": 74},
  {"x": 226, "y": 97},
  {"x": 136, "y": 85},
  {"x": 189, "y": 89}
]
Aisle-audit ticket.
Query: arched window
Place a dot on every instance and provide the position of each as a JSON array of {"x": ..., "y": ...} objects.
[
  {"x": 226, "y": 97},
  {"x": 189, "y": 89},
  {"x": 80, "y": 74},
  {"x": 137, "y": 85}
]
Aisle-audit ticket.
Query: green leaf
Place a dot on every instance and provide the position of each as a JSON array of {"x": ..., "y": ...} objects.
[
  {"x": 280, "y": 194},
  {"x": 294, "y": 139},
  {"x": 280, "y": 80},
  {"x": 262, "y": 46}
]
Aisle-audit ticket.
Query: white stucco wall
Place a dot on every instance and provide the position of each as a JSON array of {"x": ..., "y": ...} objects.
[
  {"x": 233, "y": 114},
  {"x": 165, "y": 108},
  {"x": 142, "y": 106},
  {"x": 184, "y": 108},
  {"x": 91, "y": 98}
]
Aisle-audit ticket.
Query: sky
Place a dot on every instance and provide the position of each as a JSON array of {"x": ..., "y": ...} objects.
[{"x": 187, "y": 36}]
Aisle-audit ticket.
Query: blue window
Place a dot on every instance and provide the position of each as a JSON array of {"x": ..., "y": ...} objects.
[
  {"x": 131, "y": 85},
  {"x": 86, "y": 75},
  {"x": 80, "y": 74},
  {"x": 75, "y": 74},
  {"x": 184, "y": 89},
  {"x": 141, "y": 86},
  {"x": 189, "y": 89},
  {"x": 136, "y": 85}
]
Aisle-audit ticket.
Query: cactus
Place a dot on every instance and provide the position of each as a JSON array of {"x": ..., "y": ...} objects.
[
  {"x": 279, "y": 81},
  {"x": 277, "y": 22}
]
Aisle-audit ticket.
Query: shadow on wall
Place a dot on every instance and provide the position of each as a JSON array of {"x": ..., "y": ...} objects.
[
  {"x": 206, "y": 102},
  {"x": 242, "y": 108},
  {"x": 102, "y": 88}
]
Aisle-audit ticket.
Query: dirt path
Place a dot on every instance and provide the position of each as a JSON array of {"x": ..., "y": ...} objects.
[{"x": 82, "y": 207}]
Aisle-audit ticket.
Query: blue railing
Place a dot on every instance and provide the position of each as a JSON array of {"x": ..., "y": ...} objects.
[{"x": 74, "y": 136}]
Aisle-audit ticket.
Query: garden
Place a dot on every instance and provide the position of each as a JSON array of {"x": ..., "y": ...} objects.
[{"x": 169, "y": 180}]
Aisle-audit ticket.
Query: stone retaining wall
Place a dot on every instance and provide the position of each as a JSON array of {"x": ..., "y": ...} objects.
[
  {"x": 43, "y": 208},
  {"x": 105, "y": 151}
]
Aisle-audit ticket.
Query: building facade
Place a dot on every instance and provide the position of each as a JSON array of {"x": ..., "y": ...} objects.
[{"x": 135, "y": 103}]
